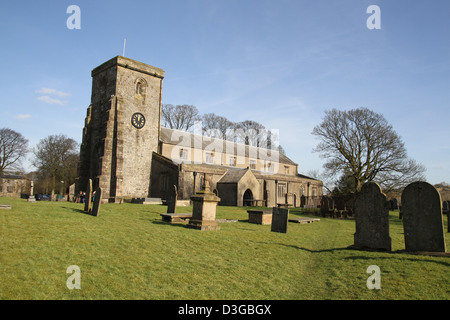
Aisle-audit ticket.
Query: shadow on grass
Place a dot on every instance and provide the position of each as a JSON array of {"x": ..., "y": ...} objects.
[
  {"x": 398, "y": 256},
  {"x": 314, "y": 251},
  {"x": 392, "y": 254},
  {"x": 78, "y": 211},
  {"x": 160, "y": 222}
]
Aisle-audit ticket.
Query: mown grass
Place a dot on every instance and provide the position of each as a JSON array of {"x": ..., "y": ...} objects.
[{"x": 127, "y": 252}]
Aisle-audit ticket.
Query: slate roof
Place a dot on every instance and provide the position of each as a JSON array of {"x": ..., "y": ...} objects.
[
  {"x": 232, "y": 176},
  {"x": 190, "y": 140}
]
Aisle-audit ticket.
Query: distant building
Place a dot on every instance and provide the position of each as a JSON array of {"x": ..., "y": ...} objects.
[
  {"x": 13, "y": 185},
  {"x": 127, "y": 153}
]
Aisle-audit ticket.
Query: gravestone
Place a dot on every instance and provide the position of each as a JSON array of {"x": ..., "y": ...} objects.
[
  {"x": 280, "y": 218},
  {"x": 371, "y": 219},
  {"x": 422, "y": 218},
  {"x": 204, "y": 205},
  {"x": 326, "y": 205},
  {"x": 445, "y": 207},
  {"x": 172, "y": 200},
  {"x": 71, "y": 196},
  {"x": 88, "y": 199},
  {"x": 97, "y": 201},
  {"x": 393, "y": 204},
  {"x": 31, "y": 197}
]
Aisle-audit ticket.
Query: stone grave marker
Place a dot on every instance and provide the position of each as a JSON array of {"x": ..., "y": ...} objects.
[
  {"x": 88, "y": 199},
  {"x": 31, "y": 197},
  {"x": 204, "y": 205},
  {"x": 280, "y": 218},
  {"x": 445, "y": 207},
  {"x": 97, "y": 201},
  {"x": 372, "y": 219},
  {"x": 423, "y": 224},
  {"x": 172, "y": 200}
]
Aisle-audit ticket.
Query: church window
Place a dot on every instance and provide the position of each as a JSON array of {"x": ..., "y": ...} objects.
[
  {"x": 141, "y": 86},
  {"x": 209, "y": 157},
  {"x": 252, "y": 164},
  {"x": 233, "y": 161},
  {"x": 281, "y": 190},
  {"x": 183, "y": 154}
]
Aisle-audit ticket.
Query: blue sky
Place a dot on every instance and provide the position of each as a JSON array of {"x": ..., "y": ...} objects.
[{"x": 281, "y": 63}]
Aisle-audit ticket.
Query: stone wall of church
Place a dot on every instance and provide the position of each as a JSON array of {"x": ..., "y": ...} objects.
[{"x": 117, "y": 153}]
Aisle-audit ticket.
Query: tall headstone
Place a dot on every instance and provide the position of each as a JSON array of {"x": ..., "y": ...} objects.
[
  {"x": 31, "y": 197},
  {"x": 97, "y": 201},
  {"x": 88, "y": 199},
  {"x": 172, "y": 200},
  {"x": 204, "y": 209},
  {"x": 280, "y": 218},
  {"x": 423, "y": 224},
  {"x": 372, "y": 219}
]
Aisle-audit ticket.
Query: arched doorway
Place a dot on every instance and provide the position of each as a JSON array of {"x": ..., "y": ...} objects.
[{"x": 248, "y": 197}]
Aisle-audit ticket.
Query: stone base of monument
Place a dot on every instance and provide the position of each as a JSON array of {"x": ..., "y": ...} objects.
[
  {"x": 203, "y": 225},
  {"x": 176, "y": 217},
  {"x": 5, "y": 206},
  {"x": 31, "y": 199}
]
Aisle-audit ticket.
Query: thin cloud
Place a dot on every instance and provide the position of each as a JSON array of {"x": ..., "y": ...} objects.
[
  {"x": 23, "y": 116},
  {"x": 50, "y": 100},
  {"x": 51, "y": 91}
]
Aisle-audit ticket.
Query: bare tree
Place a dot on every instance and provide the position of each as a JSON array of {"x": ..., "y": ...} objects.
[
  {"x": 13, "y": 148},
  {"x": 362, "y": 144},
  {"x": 217, "y": 126},
  {"x": 56, "y": 157},
  {"x": 251, "y": 133},
  {"x": 181, "y": 117}
]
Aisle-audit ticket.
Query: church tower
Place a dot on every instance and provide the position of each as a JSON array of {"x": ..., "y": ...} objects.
[{"x": 122, "y": 129}]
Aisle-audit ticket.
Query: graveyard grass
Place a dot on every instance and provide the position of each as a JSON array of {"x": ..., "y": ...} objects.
[{"x": 127, "y": 252}]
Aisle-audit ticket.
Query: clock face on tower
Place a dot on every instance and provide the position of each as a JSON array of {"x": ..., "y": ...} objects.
[{"x": 138, "y": 120}]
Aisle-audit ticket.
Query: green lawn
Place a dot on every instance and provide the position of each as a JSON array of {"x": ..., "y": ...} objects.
[{"x": 127, "y": 252}]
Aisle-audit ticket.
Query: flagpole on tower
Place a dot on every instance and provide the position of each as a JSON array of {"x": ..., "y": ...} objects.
[{"x": 124, "y": 44}]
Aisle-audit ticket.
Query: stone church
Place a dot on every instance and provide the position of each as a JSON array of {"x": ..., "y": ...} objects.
[{"x": 127, "y": 153}]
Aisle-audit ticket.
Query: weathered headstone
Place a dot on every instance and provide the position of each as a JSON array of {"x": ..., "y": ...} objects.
[
  {"x": 371, "y": 219},
  {"x": 393, "y": 204},
  {"x": 422, "y": 218},
  {"x": 31, "y": 197},
  {"x": 97, "y": 201},
  {"x": 326, "y": 205},
  {"x": 204, "y": 209},
  {"x": 280, "y": 218},
  {"x": 172, "y": 200},
  {"x": 71, "y": 197},
  {"x": 445, "y": 207},
  {"x": 88, "y": 199}
]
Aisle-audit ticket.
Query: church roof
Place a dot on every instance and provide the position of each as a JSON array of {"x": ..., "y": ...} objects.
[
  {"x": 233, "y": 176},
  {"x": 191, "y": 140}
]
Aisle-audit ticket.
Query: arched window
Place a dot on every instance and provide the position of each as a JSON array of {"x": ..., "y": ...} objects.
[{"x": 141, "y": 87}]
